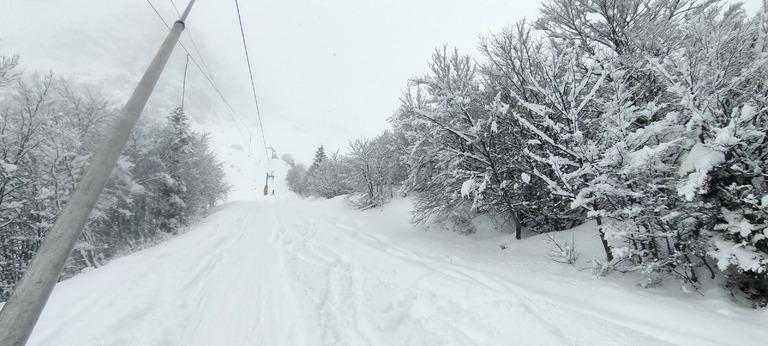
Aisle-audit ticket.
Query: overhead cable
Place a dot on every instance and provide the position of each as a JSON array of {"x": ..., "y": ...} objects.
[
  {"x": 194, "y": 44},
  {"x": 253, "y": 87},
  {"x": 232, "y": 113}
]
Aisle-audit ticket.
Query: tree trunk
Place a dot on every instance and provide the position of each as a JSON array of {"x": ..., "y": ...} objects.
[
  {"x": 513, "y": 215},
  {"x": 606, "y": 247},
  {"x": 518, "y": 227}
]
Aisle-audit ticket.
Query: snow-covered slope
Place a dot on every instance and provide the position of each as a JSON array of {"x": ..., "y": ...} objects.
[
  {"x": 285, "y": 271},
  {"x": 279, "y": 270}
]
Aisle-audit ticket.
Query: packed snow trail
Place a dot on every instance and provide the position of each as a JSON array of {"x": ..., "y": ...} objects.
[{"x": 310, "y": 272}]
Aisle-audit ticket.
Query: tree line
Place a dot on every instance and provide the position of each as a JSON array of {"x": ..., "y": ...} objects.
[
  {"x": 647, "y": 117},
  {"x": 166, "y": 178},
  {"x": 372, "y": 168}
]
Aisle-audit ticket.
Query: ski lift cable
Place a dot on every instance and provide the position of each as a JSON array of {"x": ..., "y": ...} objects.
[
  {"x": 232, "y": 113},
  {"x": 174, "y": 7},
  {"x": 194, "y": 44},
  {"x": 184, "y": 83},
  {"x": 158, "y": 13},
  {"x": 207, "y": 71},
  {"x": 253, "y": 87}
]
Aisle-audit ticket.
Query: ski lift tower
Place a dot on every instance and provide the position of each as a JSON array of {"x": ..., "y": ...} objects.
[{"x": 266, "y": 183}]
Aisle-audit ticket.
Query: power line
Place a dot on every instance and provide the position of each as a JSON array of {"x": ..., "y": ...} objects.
[
  {"x": 202, "y": 59},
  {"x": 194, "y": 44},
  {"x": 209, "y": 77},
  {"x": 158, "y": 14},
  {"x": 174, "y": 7},
  {"x": 232, "y": 113},
  {"x": 253, "y": 87}
]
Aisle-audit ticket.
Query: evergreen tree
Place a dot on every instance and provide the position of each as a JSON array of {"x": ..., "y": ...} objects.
[
  {"x": 320, "y": 157},
  {"x": 178, "y": 152}
]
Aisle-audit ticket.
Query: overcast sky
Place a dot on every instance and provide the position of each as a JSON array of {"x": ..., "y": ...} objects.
[{"x": 325, "y": 71}]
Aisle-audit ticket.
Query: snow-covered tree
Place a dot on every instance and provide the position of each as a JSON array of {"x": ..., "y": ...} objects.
[
  {"x": 27, "y": 205},
  {"x": 377, "y": 168},
  {"x": 46, "y": 137},
  {"x": 644, "y": 115},
  {"x": 295, "y": 179},
  {"x": 560, "y": 113},
  {"x": 288, "y": 159},
  {"x": 675, "y": 115},
  {"x": 513, "y": 56},
  {"x": 178, "y": 151},
  {"x": 7, "y": 69},
  {"x": 719, "y": 80},
  {"x": 203, "y": 177},
  {"x": 329, "y": 176},
  {"x": 452, "y": 132},
  {"x": 319, "y": 158},
  {"x": 48, "y": 130}
]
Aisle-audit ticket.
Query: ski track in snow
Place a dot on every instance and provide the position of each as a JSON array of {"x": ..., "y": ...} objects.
[
  {"x": 281, "y": 270},
  {"x": 376, "y": 292},
  {"x": 303, "y": 272}
]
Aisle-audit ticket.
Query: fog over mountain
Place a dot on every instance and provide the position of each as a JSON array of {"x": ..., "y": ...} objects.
[{"x": 325, "y": 72}]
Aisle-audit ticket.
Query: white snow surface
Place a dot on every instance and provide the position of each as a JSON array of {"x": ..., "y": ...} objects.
[{"x": 281, "y": 270}]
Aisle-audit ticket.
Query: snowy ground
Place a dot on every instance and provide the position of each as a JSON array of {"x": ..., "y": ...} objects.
[{"x": 285, "y": 271}]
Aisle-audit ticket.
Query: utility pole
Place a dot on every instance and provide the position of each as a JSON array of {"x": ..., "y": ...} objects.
[{"x": 21, "y": 312}]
